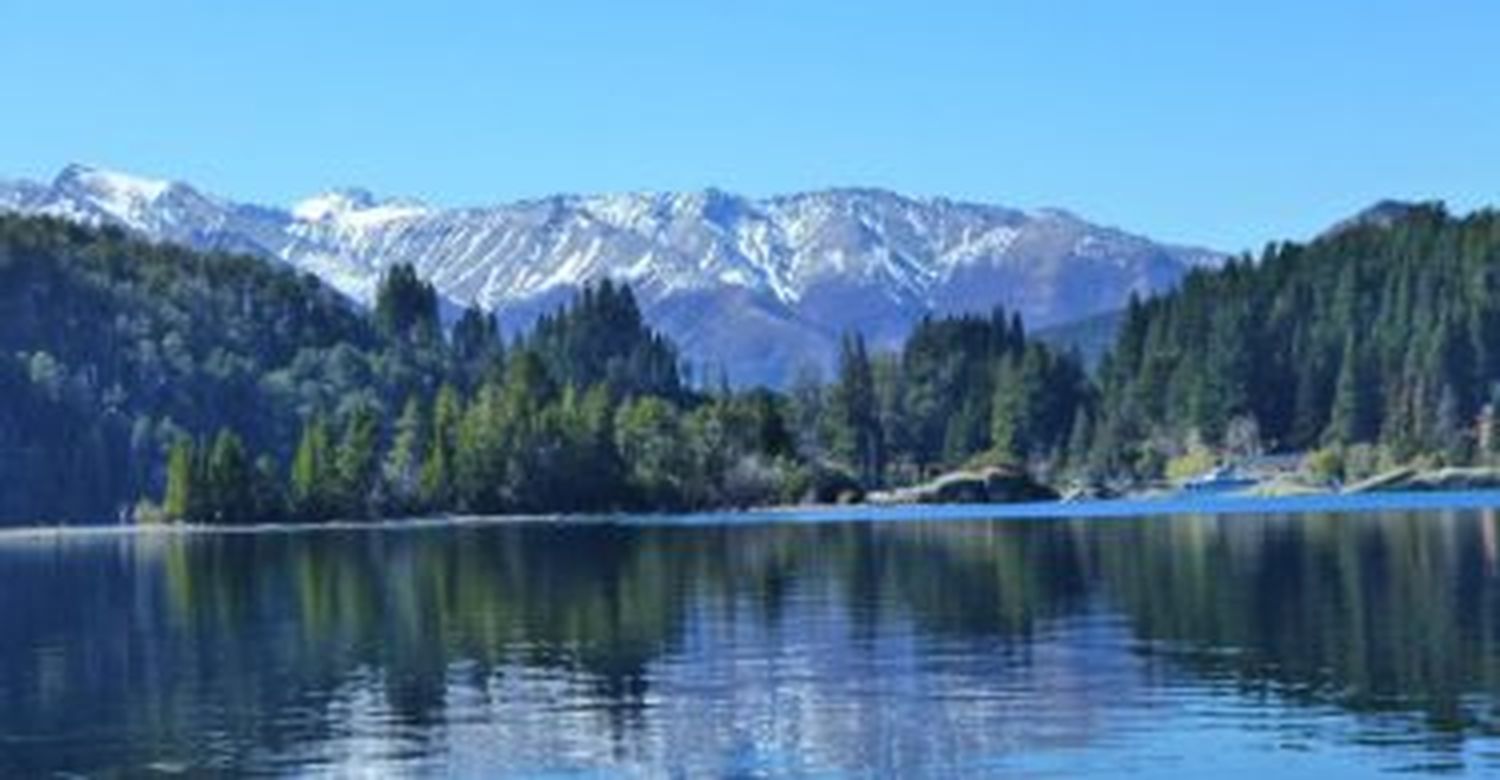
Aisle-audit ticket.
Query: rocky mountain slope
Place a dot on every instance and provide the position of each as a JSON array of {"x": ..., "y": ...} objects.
[{"x": 759, "y": 287}]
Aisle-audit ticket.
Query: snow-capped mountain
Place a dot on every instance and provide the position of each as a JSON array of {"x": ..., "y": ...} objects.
[{"x": 759, "y": 286}]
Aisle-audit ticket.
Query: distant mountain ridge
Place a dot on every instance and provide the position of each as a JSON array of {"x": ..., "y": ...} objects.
[
  {"x": 1382, "y": 214},
  {"x": 758, "y": 286}
]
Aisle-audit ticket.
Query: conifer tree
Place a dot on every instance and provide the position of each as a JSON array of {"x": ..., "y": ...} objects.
[
  {"x": 857, "y": 437},
  {"x": 181, "y": 501},
  {"x": 314, "y": 478},
  {"x": 408, "y": 453},
  {"x": 1353, "y": 416},
  {"x": 268, "y": 498},
  {"x": 437, "y": 470},
  {"x": 229, "y": 481},
  {"x": 405, "y": 306},
  {"x": 357, "y": 462}
]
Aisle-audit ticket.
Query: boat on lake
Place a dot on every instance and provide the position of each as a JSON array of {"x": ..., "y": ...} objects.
[{"x": 1220, "y": 479}]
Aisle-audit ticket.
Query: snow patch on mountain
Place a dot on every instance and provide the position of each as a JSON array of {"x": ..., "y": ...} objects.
[{"x": 767, "y": 283}]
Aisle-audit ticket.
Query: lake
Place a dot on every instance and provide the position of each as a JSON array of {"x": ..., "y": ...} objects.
[{"x": 931, "y": 643}]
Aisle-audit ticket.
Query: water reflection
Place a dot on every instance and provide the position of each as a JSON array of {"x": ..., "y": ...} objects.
[{"x": 917, "y": 648}]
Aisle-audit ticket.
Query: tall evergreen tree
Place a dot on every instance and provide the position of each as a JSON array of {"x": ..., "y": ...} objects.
[
  {"x": 314, "y": 477},
  {"x": 230, "y": 481},
  {"x": 436, "y": 489},
  {"x": 181, "y": 501},
  {"x": 357, "y": 463},
  {"x": 408, "y": 452},
  {"x": 857, "y": 437},
  {"x": 477, "y": 345},
  {"x": 405, "y": 306},
  {"x": 1353, "y": 416}
]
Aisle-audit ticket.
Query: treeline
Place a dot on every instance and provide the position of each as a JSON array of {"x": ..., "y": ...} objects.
[
  {"x": 589, "y": 413},
  {"x": 1378, "y": 343},
  {"x": 130, "y": 369},
  {"x": 964, "y": 390},
  {"x": 133, "y": 370},
  {"x": 586, "y": 413}
]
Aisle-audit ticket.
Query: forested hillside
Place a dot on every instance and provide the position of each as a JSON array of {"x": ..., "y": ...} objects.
[
  {"x": 229, "y": 389},
  {"x": 112, "y": 347},
  {"x": 1382, "y": 337},
  {"x": 963, "y": 389},
  {"x": 233, "y": 390}
]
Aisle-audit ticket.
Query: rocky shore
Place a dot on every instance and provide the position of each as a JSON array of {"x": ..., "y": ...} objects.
[{"x": 980, "y": 486}]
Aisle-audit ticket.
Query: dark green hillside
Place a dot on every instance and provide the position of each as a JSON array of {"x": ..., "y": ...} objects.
[
  {"x": 1384, "y": 333},
  {"x": 1089, "y": 338},
  {"x": 111, "y": 347},
  {"x": 238, "y": 391}
]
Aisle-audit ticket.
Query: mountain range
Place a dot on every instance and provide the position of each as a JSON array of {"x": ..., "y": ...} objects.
[{"x": 756, "y": 287}]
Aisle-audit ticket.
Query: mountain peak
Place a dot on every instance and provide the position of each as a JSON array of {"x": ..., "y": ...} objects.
[
  {"x": 112, "y": 185},
  {"x": 344, "y": 202}
]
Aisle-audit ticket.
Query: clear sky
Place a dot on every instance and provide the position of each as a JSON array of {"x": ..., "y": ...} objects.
[{"x": 1220, "y": 123}]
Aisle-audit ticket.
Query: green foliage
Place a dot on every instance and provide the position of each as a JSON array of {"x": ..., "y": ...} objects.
[
  {"x": 1353, "y": 416},
  {"x": 314, "y": 478},
  {"x": 180, "y": 503},
  {"x": 115, "y": 348},
  {"x": 1196, "y": 460},
  {"x": 601, "y": 339},
  {"x": 974, "y": 385},
  {"x": 855, "y": 433},
  {"x": 405, "y": 306},
  {"x": 357, "y": 464},
  {"x": 230, "y": 481},
  {"x": 1326, "y": 465},
  {"x": 217, "y": 484},
  {"x": 1385, "y": 334},
  {"x": 437, "y": 480},
  {"x": 1382, "y": 340},
  {"x": 649, "y": 436},
  {"x": 477, "y": 345},
  {"x": 402, "y": 467}
]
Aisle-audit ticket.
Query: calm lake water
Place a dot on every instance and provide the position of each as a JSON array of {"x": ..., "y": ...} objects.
[{"x": 1304, "y": 644}]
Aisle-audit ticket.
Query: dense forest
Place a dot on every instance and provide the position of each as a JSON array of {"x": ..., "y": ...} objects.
[
  {"x": 222, "y": 388},
  {"x": 112, "y": 348},
  {"x": 1374, "y": 345},
  {"x": 226, "y": 389}
]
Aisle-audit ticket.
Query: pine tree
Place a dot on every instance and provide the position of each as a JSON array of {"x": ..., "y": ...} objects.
[
  {"x": 408, "y": 453},
  {"x": 1352, "y": 419},
  {"x": 477, "y": 345},
  {"x": 357, "y": 462},
  {"x": 230, "y": 481},
  {"x": 181, "y": 501},
  {"x": 405, "y": 306},
  {"x": 808, "y": 413},
  {"x": 1010, "y": 413},
  {"x": 649, "y": 437},
  {"x": 1080, "y": 441},
  {"x": 437, "y": 489},
  {"x": 268, "y": 501},
  {"x": 314, "y": 477},
  {"x": 479, "y": 471},
  {"x": 857, "y": 437}
]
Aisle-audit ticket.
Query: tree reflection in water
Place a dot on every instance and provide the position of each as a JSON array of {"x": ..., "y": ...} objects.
[{"x": 611, "y": 645}]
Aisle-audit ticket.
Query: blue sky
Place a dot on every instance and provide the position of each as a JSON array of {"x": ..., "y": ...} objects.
[{"x": 1221, "y": 123}]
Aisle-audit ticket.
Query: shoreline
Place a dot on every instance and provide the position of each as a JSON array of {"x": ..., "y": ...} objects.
[{"x": 1115, "y": 508}]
